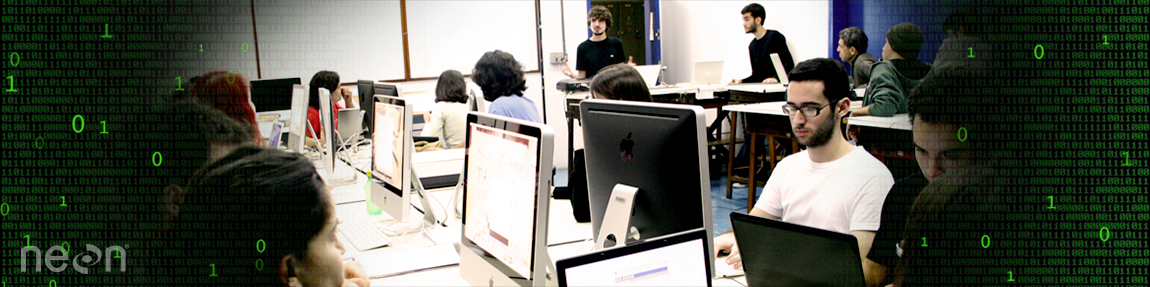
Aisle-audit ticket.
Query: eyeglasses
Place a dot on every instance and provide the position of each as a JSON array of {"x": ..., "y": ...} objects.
[{"x": 807, "y": 111}]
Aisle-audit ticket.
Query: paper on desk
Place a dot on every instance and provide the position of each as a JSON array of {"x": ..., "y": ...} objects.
[
  {"x": 722, "y": 269},
  {"x": 395, "y": 262},
  {"x": 444, "y": 235}
]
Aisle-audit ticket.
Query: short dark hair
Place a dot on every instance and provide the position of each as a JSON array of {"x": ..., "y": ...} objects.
[
  {"x": 323, "y": 79},
  {"x": 601, "y": 13},
  {"x": 836, "y": 86},
  {"x": 854, "y": 37},
  {"x": 251, "y": 194},
  {"x": 756, "y": 10},
  {"x": 451, "y": 87},
  {"x": 498, "y": 74},
  {"x": 621, "y": 82}
]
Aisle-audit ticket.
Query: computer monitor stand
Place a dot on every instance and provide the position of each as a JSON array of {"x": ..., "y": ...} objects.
[
  {"x": 616, "y": 226},
  {"x": 424, "y": 201}
]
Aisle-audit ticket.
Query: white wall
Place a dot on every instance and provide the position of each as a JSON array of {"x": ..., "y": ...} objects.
[{"x": 713, "y": 30}]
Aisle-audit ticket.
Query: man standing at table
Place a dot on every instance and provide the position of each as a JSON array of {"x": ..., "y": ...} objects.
[
  {"x": 766, "y": 42},
  {"x": 600, "y": 50},
  {"x": 832, "y": 185}
]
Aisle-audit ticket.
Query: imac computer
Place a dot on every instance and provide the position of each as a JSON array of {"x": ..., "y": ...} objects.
[
  {"x": 647, "y": 170},
  {"x": 273, "y": 94},
  {"x": 366, "y": 96},
  {"x": 390, "y": 157},
  {"x": 505, "y": 202},
  {"x": 297, "y": 125}
]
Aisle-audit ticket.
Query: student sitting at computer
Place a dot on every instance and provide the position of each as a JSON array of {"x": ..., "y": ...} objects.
[
  {"x": 330, "y": 81},
  {"x": 832, "y": 185},
  {"x": 449, "y": 116},
  {"x": 260, "y": 217},
  {"x": 500, "y": 77},
  {"x": 897, "y": 73},
  {"x": 229, "y": 93},
  {"x": 620, "y": 82}
]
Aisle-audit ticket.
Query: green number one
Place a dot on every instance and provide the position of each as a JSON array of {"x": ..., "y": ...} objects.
[
  {"x": 213, "y": 270},
  {"x": 201, "y": 48},
  {"x": 971, "y": 52},
  {"x": 28, "y": 240},
  {"x": 924, "y": 242},
  {"x": 1051, "y": 202},
  {"x": 104, "y": 124},
  {"x": 1104, "y": 42},
  {"x": 62, "y": 202},
  {"x": 11, "y": 84},
  {"x": 179, "y": 84},
  {"x": 1011, "y": 274},
  {"x": 1127, "y": 155},
  {"x": 106, "y": 32},
  {"x": 117, "y": 254}
]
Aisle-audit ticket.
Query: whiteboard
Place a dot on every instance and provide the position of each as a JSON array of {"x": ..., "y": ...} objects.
[{"x": 364, "y": 39}]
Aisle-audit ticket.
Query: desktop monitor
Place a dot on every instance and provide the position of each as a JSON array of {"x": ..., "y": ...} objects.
[
  {"x": 390, "y": 156},
  {"x": 273, "y": 94},
  {"x": 661, "y": 149},
  {"x": 680, "y": 259},
  {"x": 297, "y": 128},
  {"x": 381, "y": 89},
  {"x": 326, "y": 132},
  {"x": 366, "y": 96},
  {"x": 506, "y": 193}
]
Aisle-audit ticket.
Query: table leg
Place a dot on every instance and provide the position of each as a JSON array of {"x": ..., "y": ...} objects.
[
  {"x": 731, "y": 156},
  {"x": 570, "y": 149},
  {"x": 752, "y": 185}
]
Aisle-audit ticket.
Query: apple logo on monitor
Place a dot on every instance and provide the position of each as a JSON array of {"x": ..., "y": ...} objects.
[{"x": 626, "y": 149}]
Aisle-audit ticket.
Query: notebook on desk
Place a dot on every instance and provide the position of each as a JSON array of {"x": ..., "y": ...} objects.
[{"x": 777, "y": 253}]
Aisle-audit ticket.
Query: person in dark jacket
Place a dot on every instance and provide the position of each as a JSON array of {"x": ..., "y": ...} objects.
[
  {"x": 852, "y": 49},
  {"x": 898, "y": 72}
]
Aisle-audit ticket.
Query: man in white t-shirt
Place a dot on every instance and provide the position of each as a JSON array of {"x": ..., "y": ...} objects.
[{"x": 832, "y": 185}]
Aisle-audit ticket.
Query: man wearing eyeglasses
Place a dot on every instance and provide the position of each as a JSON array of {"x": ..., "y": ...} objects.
[{"x": 831, "y": 185}]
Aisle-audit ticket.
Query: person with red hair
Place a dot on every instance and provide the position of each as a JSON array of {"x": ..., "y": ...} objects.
[{"x": 229, "y": 93}]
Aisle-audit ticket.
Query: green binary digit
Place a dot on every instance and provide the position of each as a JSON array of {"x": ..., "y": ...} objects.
[
  {"x": 971, "y": 52},
  {"x": 106, "y": 35},
  {"x": 62, "y": 202},
  {"x": 104, "y": 126},
  {"x": 201, "y": 47},
  {"x": 213, "y": 270},
  {"x": 4, "y": 209},
  {"x": 1104, "y": 42},
  {"x": 985, "y": 241},
  {"x": 1011, "y": 274},
  {"x": 179, "y": 84},
  {"x": 81, "y": 120},
  {"x": 1104, "y": 234},
  {"x": 11, "y": 84},
  {"x": 67, "y": 247},
  {"x": 1051, "y": 202},
  {"x": 924, "y": 242},
  {"x": 52, "y": 283},
  {"x": 1127, "y": 155},
  {"x": 1039, "y": 52},
  {"x": 157, "y": 158},
  {"x": 27, "y": 240},
  {"x": 14, "y": 59}
]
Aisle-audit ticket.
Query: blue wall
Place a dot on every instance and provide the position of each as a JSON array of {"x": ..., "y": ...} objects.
[{"x": 875, "y": 17}]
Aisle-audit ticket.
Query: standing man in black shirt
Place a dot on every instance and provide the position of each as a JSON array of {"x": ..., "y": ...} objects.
[
  {"x": 600, "y": 50},
  {"x": 766, "y": 42}
]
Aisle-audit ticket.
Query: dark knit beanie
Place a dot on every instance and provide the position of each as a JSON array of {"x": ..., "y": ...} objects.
[{"x": 905, "y": 39}]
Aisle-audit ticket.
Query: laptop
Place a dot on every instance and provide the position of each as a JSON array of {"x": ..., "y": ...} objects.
[
  {"x": 350, "y": 122},
  {"x": 650, "y": 74},
  {"x": 777, "y": 253},
  {"x": 779, "y": 70},
  {"x": 708, "y": 73},
  {"x": 679, "y": 259}
]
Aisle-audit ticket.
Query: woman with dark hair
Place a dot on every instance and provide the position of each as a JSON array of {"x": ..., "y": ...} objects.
[
  {"x": 501, "y": 79},
  {"x": 260, "y": 217},
  {"x": 330, "y": 81},
  {"x": 228, "y": 92},
  {"x": 449, "y": 116},
  {"x": 620, "y": 82}
]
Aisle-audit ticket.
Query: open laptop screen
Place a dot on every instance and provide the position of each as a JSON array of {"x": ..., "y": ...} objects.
[{"x": 675, "y": 260}]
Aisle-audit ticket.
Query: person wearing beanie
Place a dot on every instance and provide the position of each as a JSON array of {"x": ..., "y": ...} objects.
[{"x": 894, "y": 76}]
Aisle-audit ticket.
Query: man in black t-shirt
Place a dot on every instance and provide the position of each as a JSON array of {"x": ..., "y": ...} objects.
[
  {"x": 766, "y": 42},
  {"x": 600, "y": 50}
]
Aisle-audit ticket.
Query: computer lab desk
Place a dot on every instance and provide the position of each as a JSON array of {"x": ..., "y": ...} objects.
[{"x": 569, "y": 237}]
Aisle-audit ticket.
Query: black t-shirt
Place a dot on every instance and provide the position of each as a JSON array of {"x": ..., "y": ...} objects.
[
  {"x": 895, "y": 209},
  {"x": 761, "y": 50},
  {"x": 593, "y": 56}
]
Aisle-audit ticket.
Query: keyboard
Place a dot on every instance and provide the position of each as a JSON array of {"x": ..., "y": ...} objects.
[{"x": 364, "y": 235}]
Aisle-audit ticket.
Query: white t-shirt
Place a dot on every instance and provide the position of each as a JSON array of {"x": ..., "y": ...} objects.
[{"x": 843, "y": 195}]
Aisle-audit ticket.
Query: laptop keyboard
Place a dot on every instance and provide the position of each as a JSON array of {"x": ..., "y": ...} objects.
[{"x": 364, "y": 235}]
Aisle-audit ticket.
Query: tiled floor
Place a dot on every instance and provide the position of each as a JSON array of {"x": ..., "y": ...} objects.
[{"x": 721, "y": 207}]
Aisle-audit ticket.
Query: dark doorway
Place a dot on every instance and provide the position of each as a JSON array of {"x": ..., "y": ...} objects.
[{"x": 628, "y": 26}]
